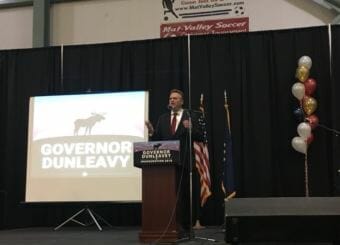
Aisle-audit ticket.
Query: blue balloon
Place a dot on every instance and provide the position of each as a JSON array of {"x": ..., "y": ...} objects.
[{"x": 299, "y": 114}]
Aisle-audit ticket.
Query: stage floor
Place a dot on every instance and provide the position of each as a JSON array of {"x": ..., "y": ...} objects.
[
  {"x": 109, "y": 236},
  {"x": 91, "y": 236}
]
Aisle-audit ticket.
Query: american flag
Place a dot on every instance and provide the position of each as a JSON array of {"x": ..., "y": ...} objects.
[
  {"x": 202, "y": 159},
  {"x": 228, "y": 182}
]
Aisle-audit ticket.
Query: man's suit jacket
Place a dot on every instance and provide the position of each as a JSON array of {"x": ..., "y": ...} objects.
[{"x": 163, "y": 132}]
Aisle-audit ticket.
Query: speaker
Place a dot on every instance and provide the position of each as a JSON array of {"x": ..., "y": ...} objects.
[{"x": 291, "y": 219}]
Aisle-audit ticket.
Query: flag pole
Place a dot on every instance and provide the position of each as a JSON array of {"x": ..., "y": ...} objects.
[
  {"x": 201, "y": 105},
  {"x": 306, "y": 174},
  {"x": 197, "y": 222},
  {"x": 202, "y": 165},
  {"x": 226, "y": 107}
]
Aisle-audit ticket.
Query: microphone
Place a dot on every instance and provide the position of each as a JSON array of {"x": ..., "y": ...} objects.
[{"x": 169, "y": 107}]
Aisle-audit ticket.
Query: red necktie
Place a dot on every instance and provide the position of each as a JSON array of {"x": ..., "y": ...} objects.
[{"x": 173, "y": 123}]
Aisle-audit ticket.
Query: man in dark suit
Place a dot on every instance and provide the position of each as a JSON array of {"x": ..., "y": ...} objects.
[{"x": 177, "y": 125}]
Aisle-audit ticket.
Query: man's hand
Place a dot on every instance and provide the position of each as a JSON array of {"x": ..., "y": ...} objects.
[
  {"x": 150, "y": 127},
  {"x": 187, "y": 124}
]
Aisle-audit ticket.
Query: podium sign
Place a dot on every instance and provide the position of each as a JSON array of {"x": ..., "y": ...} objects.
[
  {"x": 156, "y": 153},
  {"x": 158, "y": 161}
]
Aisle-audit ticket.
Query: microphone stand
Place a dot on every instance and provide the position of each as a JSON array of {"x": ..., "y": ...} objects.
[{"x": 191, "y": 235}]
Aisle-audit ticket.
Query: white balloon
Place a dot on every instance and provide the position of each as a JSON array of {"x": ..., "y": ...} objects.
[
  {"x": 304, "y": 130},
  {"x": 298, "y": 90},
  {"x": 299, "y": 144},
  {"x": 305, "y": 61}
]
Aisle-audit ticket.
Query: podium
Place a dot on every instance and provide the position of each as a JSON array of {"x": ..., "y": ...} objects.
[{"x": 158, "y": 161}]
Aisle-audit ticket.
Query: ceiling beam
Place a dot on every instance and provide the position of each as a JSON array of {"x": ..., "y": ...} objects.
[
  {"x": 21, "y": 3},
  {"x": 15, "y": 3},
  {"x": 41, "y": 23}
]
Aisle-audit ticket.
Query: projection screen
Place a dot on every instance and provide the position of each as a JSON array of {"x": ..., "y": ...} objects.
[{"x": 80, "y": 147}]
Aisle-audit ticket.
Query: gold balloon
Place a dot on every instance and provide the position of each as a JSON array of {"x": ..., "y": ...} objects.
[
  {"x": 302, "y": 73},
  {"x": 309, "y": 105}
]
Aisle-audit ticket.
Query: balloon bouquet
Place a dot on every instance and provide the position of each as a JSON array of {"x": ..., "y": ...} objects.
[{"x": 303, "y": 91}]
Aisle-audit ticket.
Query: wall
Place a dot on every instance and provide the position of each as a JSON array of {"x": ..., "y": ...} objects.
[
  {"x": 16, "y": 28},
  {"x": 101, "y": 21}
]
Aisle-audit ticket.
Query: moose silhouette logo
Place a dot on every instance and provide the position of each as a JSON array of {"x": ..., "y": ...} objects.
[
  {"x": 87, "y": 123},
  {"x": 156, "y": 146}
]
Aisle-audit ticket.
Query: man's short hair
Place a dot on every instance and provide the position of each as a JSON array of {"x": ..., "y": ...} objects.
[{"x": 178, "y": 92}]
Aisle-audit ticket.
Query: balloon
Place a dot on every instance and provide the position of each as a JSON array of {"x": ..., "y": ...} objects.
[
  {"x": 313, "y": 121},
  {"x": 302, "y": 73},
  {"x": 310, "y": 139},
  {"x": 305, "y": 61},
  {"x": 299, "y": 144},
  {"x": 299, "y": 114},
  {"x": 310, "y": 86},
  {"x": 304, "y": 130},
  {"x": 298, "y": 90},
  {"x": 309, "y": 105}
]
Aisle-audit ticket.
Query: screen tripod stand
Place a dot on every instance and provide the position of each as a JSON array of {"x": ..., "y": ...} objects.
[{"x": 94, "y": 219}]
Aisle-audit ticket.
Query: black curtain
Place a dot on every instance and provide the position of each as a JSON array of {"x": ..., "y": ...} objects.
[
  {"x": 334, "y": 107},
  {"x": 153, "y": 65},
  {"x": 257, "y": 71},
  {"x": 24, "y": 73},
  {"x": 3, "y": 98}
]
